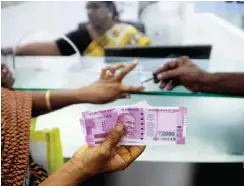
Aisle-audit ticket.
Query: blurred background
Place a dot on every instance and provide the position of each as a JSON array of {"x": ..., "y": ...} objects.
[{"x": 165, "y": 22}]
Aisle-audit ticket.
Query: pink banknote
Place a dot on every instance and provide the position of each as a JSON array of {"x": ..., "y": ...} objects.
[{"x": 143, "y": 125}]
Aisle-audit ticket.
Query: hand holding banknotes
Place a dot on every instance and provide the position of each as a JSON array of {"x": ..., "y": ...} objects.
[
  {"x": 107, "y": 157},
  {"x": 180, "y": 71},
  {"x": 109, "y": 87}
]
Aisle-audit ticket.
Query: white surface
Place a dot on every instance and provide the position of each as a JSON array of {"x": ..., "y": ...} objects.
[
  {"x": 38, "y": 152},
  {"x": 206, "y": 28},
  {"x": 166, "y": 31},
  {"x": 222, "y": 7}
]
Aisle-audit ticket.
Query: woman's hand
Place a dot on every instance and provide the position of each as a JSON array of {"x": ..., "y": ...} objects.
[
  {"x": 7, "y": 80},
  {"x": 109, "y": 88},
  {"x": 88, "y": 161},
  {"x": 106, "y": 157}
]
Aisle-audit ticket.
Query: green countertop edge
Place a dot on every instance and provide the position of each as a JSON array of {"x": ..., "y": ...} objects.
[{"x": 157, "y": 93}]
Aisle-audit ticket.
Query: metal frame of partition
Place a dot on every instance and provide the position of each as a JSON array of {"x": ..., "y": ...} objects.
[{"x": 192, "y": 51}]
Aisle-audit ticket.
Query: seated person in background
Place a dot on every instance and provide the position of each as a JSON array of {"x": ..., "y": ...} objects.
[{"x": 103, "y": 30}]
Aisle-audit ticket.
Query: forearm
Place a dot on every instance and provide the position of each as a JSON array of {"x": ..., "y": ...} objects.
[
  {"x": 68, "y": 175},
  {"x": 58, "y": 99},
  {"x": 226, "y": 83},
  {"x": 38, "y": 49}
]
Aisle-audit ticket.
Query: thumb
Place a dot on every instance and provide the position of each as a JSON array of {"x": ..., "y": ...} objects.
[
  {"x": 170, "y": 74},
  {"x": 113, "y": 137}
]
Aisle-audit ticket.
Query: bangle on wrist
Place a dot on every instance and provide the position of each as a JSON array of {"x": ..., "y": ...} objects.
[{"x": 47, "y": 98}]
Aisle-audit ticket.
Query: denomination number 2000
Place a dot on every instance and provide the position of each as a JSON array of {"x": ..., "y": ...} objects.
[{"x": 166, "y": 133}]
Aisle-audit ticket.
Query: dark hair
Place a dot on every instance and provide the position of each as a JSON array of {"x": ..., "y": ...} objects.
[
  {"x": 111, "y": 5},
  {"x": 108, "y": 4}
]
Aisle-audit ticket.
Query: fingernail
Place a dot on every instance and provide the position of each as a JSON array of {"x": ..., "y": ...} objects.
[
  {"x": 119, "y": 127},
  {"x": 160, "y": 76},
  {"x": 136, "y": 61}
]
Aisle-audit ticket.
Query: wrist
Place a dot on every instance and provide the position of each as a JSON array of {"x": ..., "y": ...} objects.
[
  {"x": 68, "y": 174},
  {"x": 84, "y": 95},
  {"x": 207, "y": 82},
  {"x": 81, "y": 167},
  {"x": 78, "y": 168}
]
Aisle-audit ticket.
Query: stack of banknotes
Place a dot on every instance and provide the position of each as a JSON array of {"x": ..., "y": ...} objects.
[{"x": 143, "y": 124}]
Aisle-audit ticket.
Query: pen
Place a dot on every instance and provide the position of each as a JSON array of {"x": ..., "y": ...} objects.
[{"x": 154, "y": 78}]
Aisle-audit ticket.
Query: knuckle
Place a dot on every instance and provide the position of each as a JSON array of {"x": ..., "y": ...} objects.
[
  {"x": 104, "y": 69},
  {"x": 166, "y": 74},
  {"x": 112, "y": 137},
  {"x": 185, "y": 57},
  {"x": 103, "y": 152}
]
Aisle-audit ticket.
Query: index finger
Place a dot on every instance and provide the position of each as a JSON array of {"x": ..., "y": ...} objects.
[
  {"x": 169, "y": 66},
  {"x": 112, "y": 69},
  {"x": 126, "y": 70}
]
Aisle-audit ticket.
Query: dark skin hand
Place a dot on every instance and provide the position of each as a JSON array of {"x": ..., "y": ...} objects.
[
  {"x": 7, "y": 80},
  {"x": 182, "y": 71}
]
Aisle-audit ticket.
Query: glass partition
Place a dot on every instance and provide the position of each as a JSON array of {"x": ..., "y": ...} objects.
[{"x": 41, "y": 73}]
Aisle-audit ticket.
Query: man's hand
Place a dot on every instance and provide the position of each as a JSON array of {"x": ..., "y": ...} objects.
[
  {"x": 7, "y": 80},
  {"x": 109, "y": 87},
  {"x": 181, "y": 71},
  {"x": 107, "y": 157}
]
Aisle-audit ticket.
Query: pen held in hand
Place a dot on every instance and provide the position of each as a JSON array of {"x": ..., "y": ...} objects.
[{"x": 154, "y": 78}]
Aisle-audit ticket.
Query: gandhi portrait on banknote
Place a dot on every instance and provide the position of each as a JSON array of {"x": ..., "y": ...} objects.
[{"x": 129, "y": 122}]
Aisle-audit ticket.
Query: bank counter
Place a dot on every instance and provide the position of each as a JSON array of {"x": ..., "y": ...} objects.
[{"x": 215, "y": 123}]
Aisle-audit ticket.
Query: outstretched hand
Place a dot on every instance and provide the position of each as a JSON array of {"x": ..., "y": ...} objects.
[{"x": 109, "y": 87}]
